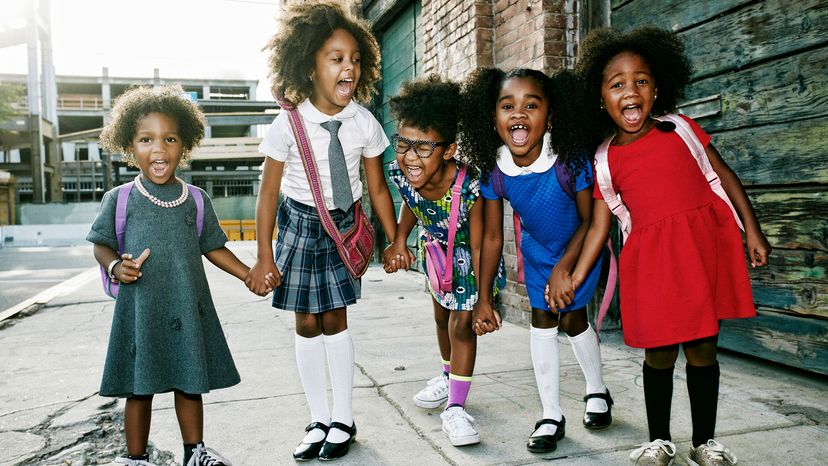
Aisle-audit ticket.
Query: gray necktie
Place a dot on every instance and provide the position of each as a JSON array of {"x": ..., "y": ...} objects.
[{"x": 340, "y": 180}]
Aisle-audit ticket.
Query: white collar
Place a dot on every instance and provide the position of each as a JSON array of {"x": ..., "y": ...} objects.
[
  {"x": 313, "y": 115},
  {"x": 544, "y": 162}
]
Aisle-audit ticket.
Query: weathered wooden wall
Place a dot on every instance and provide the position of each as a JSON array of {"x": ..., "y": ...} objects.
[{"x": 760, "y": 88}]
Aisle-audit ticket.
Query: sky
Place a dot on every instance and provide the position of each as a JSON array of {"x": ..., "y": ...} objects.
[{"x": 219, "y": 39}]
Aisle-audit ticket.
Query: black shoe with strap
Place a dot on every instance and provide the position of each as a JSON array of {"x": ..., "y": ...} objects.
[
  {"x": 332, "y": 451},
  {"x": 598, "y": 421},
  {"x": 309, "y": 451},
  {"x": 547, "y": 443}
]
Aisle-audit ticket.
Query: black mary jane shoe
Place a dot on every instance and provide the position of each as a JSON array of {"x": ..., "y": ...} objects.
[
  {"x": 309, "y": 451},
  {"x": 547, "y": 443},
  {"x": 598, "y": 421},
  {"x": 332, "y": 451}
]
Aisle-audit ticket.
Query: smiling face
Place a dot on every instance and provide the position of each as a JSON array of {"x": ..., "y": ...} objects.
[
  {"x": 522, "y": 118},
  {"x": 157, "y": 147},
  {"x": 419, "y": 171},
  {"x": 628, "y": 92},
  {"x": 335, "y": 73}
]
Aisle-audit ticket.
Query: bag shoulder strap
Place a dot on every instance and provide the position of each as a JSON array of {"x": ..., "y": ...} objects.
[
  {"x": 298, "y": 128},
  {"x": 604, "y": 180},
  {"x": 565, "y": 178},
  {"x": 121, "y": 213},
  {"x": 496, "y": 180},
  {"x": 199, "y": 200},
  {"x": 685, "y": 131},
  {"x": 453, "y": 216}
]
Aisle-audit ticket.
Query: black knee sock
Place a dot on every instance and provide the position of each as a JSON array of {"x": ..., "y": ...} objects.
[
  {"x": 703, "y": 388},
  {"x": 188, "y": 451},
  {"x": 658, "y": 397}
]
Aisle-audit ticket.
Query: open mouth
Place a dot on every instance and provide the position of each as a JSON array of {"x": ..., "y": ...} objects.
[
  {"x": 519, "y": 134},
  {"x": 159, "y": 167},
  {"x": 631, "y": 114},
  {"x": 345, "y": 88},
  {"x": 413, "y": 173}
]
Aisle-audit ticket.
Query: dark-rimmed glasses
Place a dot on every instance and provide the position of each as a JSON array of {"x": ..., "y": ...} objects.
[{"x": 423, "y": 149}]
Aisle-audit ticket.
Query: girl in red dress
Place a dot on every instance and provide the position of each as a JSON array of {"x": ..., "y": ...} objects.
[{"x": 682, "y": 268}]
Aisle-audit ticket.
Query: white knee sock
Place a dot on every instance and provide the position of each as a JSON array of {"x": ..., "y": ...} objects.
[
  {"x": 340, "y": 351},
  {"x": 545, "y": 362},
  {"x": 310, "y": 359},
  {"x": 588, "y": 353}
]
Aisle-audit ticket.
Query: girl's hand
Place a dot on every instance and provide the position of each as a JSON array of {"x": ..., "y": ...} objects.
[
  {"x": 484, "y": 318},
  {"x": 397, "y": 256},
  {"x": 560, "y": 290},
  {"x": 129, "y": 269},
  {"x": 263, "y": 278},
  {"x": 758, "y": 249}
]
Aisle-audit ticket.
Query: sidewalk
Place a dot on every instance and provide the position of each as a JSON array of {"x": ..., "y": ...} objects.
[{"x": 51, "y": 364}]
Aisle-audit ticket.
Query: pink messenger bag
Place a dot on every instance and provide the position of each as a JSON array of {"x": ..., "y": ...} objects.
[
  {"x": 356, "y": 246},
  {"x": 440, "y": 263}
]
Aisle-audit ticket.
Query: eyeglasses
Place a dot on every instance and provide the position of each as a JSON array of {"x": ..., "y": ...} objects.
[{"x": 423, "y": 149}]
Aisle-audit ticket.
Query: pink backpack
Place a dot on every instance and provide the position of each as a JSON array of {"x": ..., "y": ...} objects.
[
  {"x": 439, "y": 263},
  {"x": 613, "y": 199}
]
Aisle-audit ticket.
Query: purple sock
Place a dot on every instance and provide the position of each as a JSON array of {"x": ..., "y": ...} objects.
[
  {"x": 446, "y": 367},
  {"x": 459, "y": 386}
]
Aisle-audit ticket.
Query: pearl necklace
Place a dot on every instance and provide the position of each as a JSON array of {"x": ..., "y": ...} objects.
[{"x": 167, "y": 204}]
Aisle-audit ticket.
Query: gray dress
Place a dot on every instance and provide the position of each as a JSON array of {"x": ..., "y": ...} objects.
[{"x": 165, "y": 332}]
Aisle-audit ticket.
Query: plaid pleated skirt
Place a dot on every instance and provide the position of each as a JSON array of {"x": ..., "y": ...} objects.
[{"x": 314, "y": 279}]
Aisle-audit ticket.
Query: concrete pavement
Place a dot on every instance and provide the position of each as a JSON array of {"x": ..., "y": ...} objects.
[{"x": 50, "y": 413}]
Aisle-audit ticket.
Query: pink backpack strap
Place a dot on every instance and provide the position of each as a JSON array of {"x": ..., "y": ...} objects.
[
  {"x": 516, "y": 220},
  {"x": 453, "y": 216},
  {"x": 685, "y": 131},
  {"x": 612, "y": 198}
]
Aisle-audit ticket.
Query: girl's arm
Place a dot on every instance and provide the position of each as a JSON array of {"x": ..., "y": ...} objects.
[
  {"x": 397, "y": 255},
  {"x": 559, "y": 291},
  {"x": 485, "y": 319},
  {"x": 224, "y": 259},
  {"x": 758, "y": 247},
  {"x": 127, "y": 270},
  {"x": 380, "y": 196},
  {"x": 596, "y": 237},
  {"x": 265, "y": 222},
  {"x": 476, "y": 238}
]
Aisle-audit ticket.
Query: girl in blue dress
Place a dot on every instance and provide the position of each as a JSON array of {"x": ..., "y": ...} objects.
[
  {"x": 425, "y": 172},
  {"x": 521, "y": 124}
]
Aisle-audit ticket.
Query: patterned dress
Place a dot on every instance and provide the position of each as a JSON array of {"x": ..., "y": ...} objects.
[{"x": 433, "y": 217}]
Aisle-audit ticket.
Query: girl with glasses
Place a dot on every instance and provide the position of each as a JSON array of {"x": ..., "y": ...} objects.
[{"x": 426, "y": 172}]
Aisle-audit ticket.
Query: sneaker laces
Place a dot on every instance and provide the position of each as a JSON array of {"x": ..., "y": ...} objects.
[
  {"x": 457, "y": 419},
  {"x": 435, "y": 390},
  {"x": 205, "y": 456},
  {"x": 131, "y": 462},
  {"x": 652, "y": 449},
  {"x": 434, "y": 380},
  {"x": 717, "y": 451}
]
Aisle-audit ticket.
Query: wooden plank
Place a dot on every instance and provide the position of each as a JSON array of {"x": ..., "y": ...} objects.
[
  {"x": 788, "y": 89},
  {"x": 783, "y": 153},
  {"x": 793, "y": 281},
  {"x": 675, "y": 15},
  {"x": 794, "y": 219},
  {"x": 793, "y": 341},
  {"x": 758, "y": 32}
]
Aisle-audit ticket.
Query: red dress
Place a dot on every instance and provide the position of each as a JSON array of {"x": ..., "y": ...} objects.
[{"x": 683, "y": 267}]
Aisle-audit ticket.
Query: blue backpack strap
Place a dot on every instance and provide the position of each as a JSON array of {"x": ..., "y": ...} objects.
[
  {"x": 565, "y": 178},
  {"x": 199, "y": 200}
]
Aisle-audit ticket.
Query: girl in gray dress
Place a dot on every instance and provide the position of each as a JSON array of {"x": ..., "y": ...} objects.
[{"x": 165, "y": 333}]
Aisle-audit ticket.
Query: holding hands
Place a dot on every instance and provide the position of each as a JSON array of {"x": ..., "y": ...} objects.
[
  {"x": 560, "y": 288},
  {"x": 397, "y": 256},
  {"x": 485, "y": 319},
  {"x": 263, "y": 277}
]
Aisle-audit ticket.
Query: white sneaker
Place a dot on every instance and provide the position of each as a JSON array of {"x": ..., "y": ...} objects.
[
  {"x": 712, "y": 453},
  {"x": 205, "y": 456},
  {"x": 434, "y": 394},
  {"x": 656, "y": 453},
  {"x": 130, "y": 462},
  {"x": 459, "y": 426}
]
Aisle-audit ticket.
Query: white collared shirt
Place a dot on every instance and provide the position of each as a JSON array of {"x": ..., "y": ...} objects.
[
  {"x": 544, "y": 162},
  {"x": 361, "y": 135}
]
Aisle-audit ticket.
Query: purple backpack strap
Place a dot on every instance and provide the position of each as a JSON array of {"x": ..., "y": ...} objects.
[
  {"x": 565, "y": 178},
  {"x": 199, "y": 200},
  {"x": 120, "y": 214},
  {"x": 496, "y": 180}
]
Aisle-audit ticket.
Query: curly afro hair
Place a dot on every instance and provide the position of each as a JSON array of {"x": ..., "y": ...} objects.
[
  {"x": 661, "y": 49},
  {"x": 572, "y": 135},
  {"x": 428, "y": 103},
  {"x": 138, "y": 102},
  {"x": 305, "y": 28}
]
